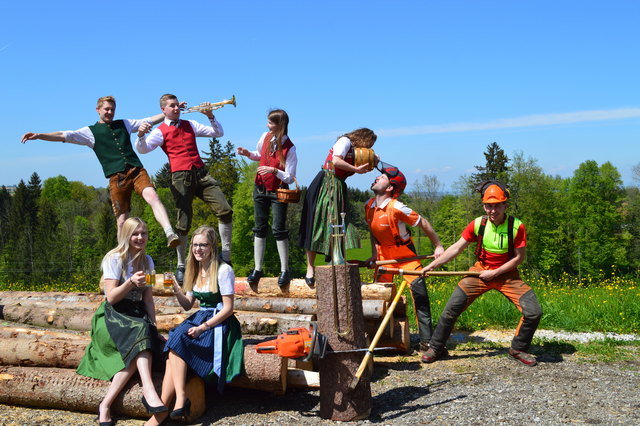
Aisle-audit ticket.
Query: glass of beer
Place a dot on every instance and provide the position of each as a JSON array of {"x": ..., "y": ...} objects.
[
  {"x": 168, "y": 279},
  {"x": 150, "y": 278}
]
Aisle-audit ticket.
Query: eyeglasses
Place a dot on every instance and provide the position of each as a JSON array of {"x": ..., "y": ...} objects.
[{"x": 200, "y": 245}]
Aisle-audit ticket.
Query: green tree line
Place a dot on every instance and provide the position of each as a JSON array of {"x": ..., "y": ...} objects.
[{"x": 586, "y": 225}]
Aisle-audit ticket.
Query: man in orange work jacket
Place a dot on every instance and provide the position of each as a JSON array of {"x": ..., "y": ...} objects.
[
  {"x": 501, "y": 245},
  {"x": 388, "y": 219}
]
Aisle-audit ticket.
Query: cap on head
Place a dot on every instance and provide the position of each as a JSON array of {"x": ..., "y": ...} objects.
[
  {"x": 493, "y": 192},
  {"x": 397, "y": 179}
]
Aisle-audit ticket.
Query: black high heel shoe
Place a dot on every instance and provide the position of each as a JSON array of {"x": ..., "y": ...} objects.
[
  {"x": 153, "y": 410},
  {"x": 183, "y": 412}
]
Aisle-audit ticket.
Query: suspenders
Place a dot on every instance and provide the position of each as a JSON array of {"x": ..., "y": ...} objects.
[{"x": 483, "y": 225}]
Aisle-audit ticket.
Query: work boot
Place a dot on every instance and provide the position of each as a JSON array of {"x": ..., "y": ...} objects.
[
  {"x": 524, "y": 357},
  {"x": 284, "y": 278},
  {"x": 173, "y": 240},
  {"x": 254, "y": 277},
  {"x": 432, "y": 355},
  {"x": 180, "y": 275}
]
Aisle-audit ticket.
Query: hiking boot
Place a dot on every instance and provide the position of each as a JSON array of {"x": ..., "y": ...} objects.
[
  {"x": 173, "y": 240},
  {"x": 432, "y": 355},
  {"x": 523, "y": 357}
]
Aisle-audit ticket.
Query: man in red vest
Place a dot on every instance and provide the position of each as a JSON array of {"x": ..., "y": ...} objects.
[
  {"x": 189, "y": 176},
  {"x": 389, "y": 221}
]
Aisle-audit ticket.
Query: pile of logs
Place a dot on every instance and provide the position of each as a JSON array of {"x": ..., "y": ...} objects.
[{"x": 44, "y": 337}]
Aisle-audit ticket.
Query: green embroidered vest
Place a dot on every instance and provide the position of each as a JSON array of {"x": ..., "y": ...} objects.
[{"x": 113, "y": 147}]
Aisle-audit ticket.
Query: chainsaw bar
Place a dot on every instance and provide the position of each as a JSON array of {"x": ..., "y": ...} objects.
[{"x": 360, "y": 350}]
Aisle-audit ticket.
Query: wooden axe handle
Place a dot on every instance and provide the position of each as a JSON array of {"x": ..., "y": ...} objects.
[{"x": 396, "y": 271}]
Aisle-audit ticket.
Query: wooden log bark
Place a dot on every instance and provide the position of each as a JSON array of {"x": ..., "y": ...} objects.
[
  {"x": 62, "y": 388},
  {"x": 371, "y": 308},
  {"x": 7, "y": 331},
  {"x": 267, "y": 372},
  {"x": 268, "y": 287},
  {"x": 62, "y": 318},
  {"x": 39, "y": 351},
  {"x": 271, "y": 323},
  {"x": 340, "y": 320},
  {"x": 74, "y": 319},
  {"x": 55, "y": 299}
]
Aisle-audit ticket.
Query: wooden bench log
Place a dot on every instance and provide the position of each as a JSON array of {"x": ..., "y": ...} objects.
[
  {"x": 271, "y": 323},
  {"x": 80, "y": 319},
  {"x": 268, "y": 287},
  {"x": 372, "y": 309},
  {"x": 62, "y": 388},
  {"x": 266, "y": 372}
]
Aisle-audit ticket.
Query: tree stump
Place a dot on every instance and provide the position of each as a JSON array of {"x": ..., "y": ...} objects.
[{"x": 342, "y": 324}]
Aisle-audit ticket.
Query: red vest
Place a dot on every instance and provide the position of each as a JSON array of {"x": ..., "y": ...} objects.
[
  {"x": 180, "y": 146},
  {"x": 340, "y": 174},
  {"x": 271, "y": 181}
]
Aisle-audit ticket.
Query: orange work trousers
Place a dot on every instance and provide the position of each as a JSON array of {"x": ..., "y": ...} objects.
[{"x": 470, "y": 288}]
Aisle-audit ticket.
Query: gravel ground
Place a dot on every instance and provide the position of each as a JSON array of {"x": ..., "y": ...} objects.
[{"x": 471, "y": 387}]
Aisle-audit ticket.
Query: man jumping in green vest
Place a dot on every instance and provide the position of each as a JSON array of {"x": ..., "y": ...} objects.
[
  {"x": 501, "y": 245},
  {"x": 111, "y": 142}
]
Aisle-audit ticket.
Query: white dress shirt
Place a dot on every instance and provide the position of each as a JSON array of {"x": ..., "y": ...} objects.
[
  {"x": 84, "y": 136},
  {"x": 148, "y": 143},
  {"x": 290, "y": 162}
]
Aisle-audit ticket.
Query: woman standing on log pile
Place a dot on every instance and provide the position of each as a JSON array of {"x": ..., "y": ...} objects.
[
  {"x": 278, "y": 161},
  {"x": 123, "y": 331},
  {"x": 327, "y": 189},
  {"x": 209, "y": 342}
]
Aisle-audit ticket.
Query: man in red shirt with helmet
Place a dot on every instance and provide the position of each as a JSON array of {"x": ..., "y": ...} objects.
[
  {"x": 388, "y": 219},
  {"x": 501, "y": 247}
]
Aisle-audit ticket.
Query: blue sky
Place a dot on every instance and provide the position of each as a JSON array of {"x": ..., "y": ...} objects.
[{"x": 438, "y": 81}]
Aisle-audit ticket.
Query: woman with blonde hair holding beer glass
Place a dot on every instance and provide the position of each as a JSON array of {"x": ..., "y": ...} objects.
[{"x": 123, "y": 331}]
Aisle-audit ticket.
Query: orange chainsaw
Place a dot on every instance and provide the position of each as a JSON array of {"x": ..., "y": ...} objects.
[
  {"x": 302, "y": 343},
  {"x": 298, "y": 343}
]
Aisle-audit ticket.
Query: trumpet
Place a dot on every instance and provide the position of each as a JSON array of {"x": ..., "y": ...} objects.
[{"x": 208, "y": 106}]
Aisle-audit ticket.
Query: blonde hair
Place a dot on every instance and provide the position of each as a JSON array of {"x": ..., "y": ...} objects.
[
  {"x": 139, "y": 260},
  {"x": 164, "y": 98},
  {"x": 193, "y": 266},
  {"x": 361, "y": 138},
  {"x": 106, "y": 99}
]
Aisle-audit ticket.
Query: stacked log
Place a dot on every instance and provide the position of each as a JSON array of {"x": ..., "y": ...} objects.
[
  {"x": 38, "y": 365},
  {"x": 264, "y": 309}
]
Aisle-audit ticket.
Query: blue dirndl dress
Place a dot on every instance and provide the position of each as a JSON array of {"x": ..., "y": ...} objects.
[{"x": 218, "y": 353}]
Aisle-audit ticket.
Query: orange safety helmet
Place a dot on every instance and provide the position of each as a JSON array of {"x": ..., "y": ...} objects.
[{"x": 493, "y": 192}]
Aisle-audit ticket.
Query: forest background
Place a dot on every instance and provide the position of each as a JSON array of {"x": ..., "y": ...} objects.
[{"x": 55, "y": 233}]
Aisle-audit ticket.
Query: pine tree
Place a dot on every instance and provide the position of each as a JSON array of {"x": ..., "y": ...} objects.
[
  {"x": 223, "y": 166},
  {"x": 162, "y": 178},
  {"x": 5, "y": 206},
  {"x": 22, "y": 225},
  {"x": 495, "y": 168}
]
